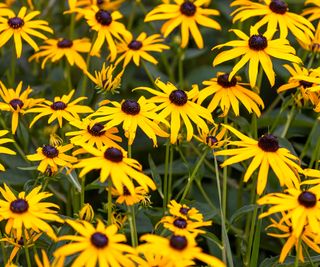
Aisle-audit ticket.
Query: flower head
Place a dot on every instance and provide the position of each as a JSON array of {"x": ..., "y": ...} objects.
[
  {"x": 86, "y": 213},
  {"x": 129, "y": 199},
  {"x": 184, "y": 211},
  {"x": 214, "y": 138},
  {"x": 313, "y": 12}
]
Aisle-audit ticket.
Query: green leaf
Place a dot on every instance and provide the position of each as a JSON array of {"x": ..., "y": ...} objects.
[
  {"x": 212, "y": 237},
  {"x": 242, "y": 211},
  {"x": 289, "y": 262}
]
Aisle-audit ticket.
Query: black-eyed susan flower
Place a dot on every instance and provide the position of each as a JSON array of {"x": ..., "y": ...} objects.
[
  {"x": 86, "y": 213},
  {"x": 256, "y": 48},
  {"x": 188, "y": 14},
  {"x": 139, "y": 48},
  {"x": 86, "y": 4},
  {"x": 60, "y": 108},
  {"x": 302, "y": 207},
  {"x": 214, "y": 138},
  {"x": 57, "y": 262},
  {"x": 16, "y": 102},
  {"x": 52, "y": 157},
  {"x": 127, "y": 198},
  {"x": 21, "y": 26},
  {"x": 5, "y": 150},
  {"x": 133, "y": 114},
  {"x": 312, "y": 44},
  {"x": 266, "y": 153},
  {"x": 184, "y": 211},
  {"x": 106, "y": 80},
  {"x": 107, "y": 26},
  {"x": 55, "y": 49},
  {"x": 93, "y": 133},
  {"x": 313, "y": 12},
  {"x": 181, "y": 251},
  {"x": 115, "y": 165},
  {"x": 149, "y": 258},
  {"x": 276, "y": 15},
  {"x": 27, "y": 211},
  {"x": 227, "y": 93},
  {"x": 100, "y": 245},
  {"x": 178, "y": 103}
]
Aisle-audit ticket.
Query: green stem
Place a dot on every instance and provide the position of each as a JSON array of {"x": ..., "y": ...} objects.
[
  {"x": 170, "y": 175},
  {"x": 165, "y": 179},
  {"x": 109, "y": 205},
  {"x": 147, "y": 72},
  {"x": 26, "y": 250},
  {"x": 305, "y": 148},
  {"x": 296, "y": 260},
  {"x": 305, "y": 248},
  {"x": 68, "y": 74},
  {"x": 132, "y": 15},
  {"x": 315, "y": 155},
  {"x": 82, "y": 193},
  {"x": 180, "y": 67},
  {"x": 72, "y": 24},
  {"x": 256, "y": 245},
  {"x": 129, "y": 150},
  {"x": 133, "y": 226},
  {"x": 291, "y": 116},
  {"x": 224, "y": 181},
  {"x": 3, "y": 249}
]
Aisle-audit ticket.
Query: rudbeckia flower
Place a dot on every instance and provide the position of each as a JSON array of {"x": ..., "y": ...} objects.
[
  {"x": 181, "y": 251},
  {"x": 212, "y": 138},
  {"x": 258, "y": 48},
  {"x": 55, "y": 49},
  {"x": 60, "y": 108},
  {"x": 107, "y": 26},
  {"x": 312, "y": 44},
  {"x": 275, "y": 14},
  {"x": 178, "y": 103},
  {"x": 86, "y": 213},
  {"x": 184, "y": 211},
  {"x": 129, "y": 199},
  {"x": 22, "y": 26},
  {"x": 133, "y": 114},
  {"x": 27, "y": 211},
  {"x": 140, "y": 48},
  {"x": 16, "y": 102},
  {"x": 115, "y": 165},
  {"x": 314, "y": 11},
  {"x": 188, "y": 14},
  {"x": 228, "y": 93},
  {"x": 100, "y": 245},
  {"x": 74, "y": 5},
  {"x": 57, "y": 262},
  {"x": 52, "y": 156},
  {"x": 4, "y": 150},
  {"x": 266, "y": 153}
]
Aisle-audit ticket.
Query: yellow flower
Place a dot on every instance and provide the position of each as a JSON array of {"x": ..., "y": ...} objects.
[
  {"x": 86, "y": 213},
  {"x": 27, "y": 212},
  {"x": 60, "y": 108},
  {"x": 133, "y": 114},
  {"x": 52, "y": 157},
  {"x": 312, "y": 44},
  {"x": 266, "y": 153},
  {"x": 45, "y": 260},
  {"x": 55, "y": 49},
  {"x": 128, "y": 198},
  {"x": 258, "y": 48},
  {"x": 139, "y": 48},
  {"x": 115, "y": 165},
  {"x": 16, "y": 102},
  {"x": 22, "y": 26},
  {"x": 188, "y": 14},
  {"x": 101, "y": 245},
  {"x": 314, "y": 11},
  {"x": 276, "y": 15},
  {"x": 212, "y": 138},
  {"x": 184, "y": 211},
  {"x": 177, "y": 103},
  {"x": 228, "y": 93},
  {"x": 86, "y": 4},
  {"x": 4, "y": 150}
]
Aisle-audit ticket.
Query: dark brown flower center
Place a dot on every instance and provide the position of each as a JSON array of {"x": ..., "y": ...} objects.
[
  {"x": 223, "y": 80},
  {"x": 15, "y": 103},
  {"x": 135, "y": 45},
  {"x": 65, "y": 43},
  {"x": 20, "y": 241},
  {"x": 178, "y": 97},
  {"x": 278, "y": 6},
  {"x": 178, "y": 242},
  {"x": 180, "y": 223},
  {"x": 307, "y": 199},
  {"x": 268, "y": 143},
  {"x": 305, "y": 84},
  {"x": 19, "y": 206},
  {"x": 258, "y": 42},
  {"x": 184, "y": 210},
  {"x": 211, "y": 140},
  {"x": 100, "y": 2},
  {"x": 113, "y": 154},
  {"x": 188, "y": 9},
  {"x": 126, "y": 191},
  {"x": 96, "y": 129},
  {"x": 58, "y": 105},
  {"x": 130, "y": 107},
  {"x": 99, "y": 240},
  {"x": 50, "y": 151},
  {"x": 15, "y": 23},
  {"x": 103, "y": 17}
]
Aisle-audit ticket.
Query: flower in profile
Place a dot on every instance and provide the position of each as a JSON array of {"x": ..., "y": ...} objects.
[
  {"x": 228, "y": 93},
  {"x": 307, "y": 238},
  {"x": 106, "y": 80},
  {"x": 139, "y": 48},
  {"x": 178, "y": 103},
  {"x": 115, "y": 165},
  {"x": 55, "y": 49},
  {"x": 60, "y": 108},
  {"x": 188, "y": 14},
  {"x": 5, "y": 150},
  {"x": 133, "y": 114},
  {"x": 100, "y": 245},
  {"x": 27, "y": 212},
  {"x": 302, "y": 207},
  {"x": 212, "y": 138},
  {"x": 181, "y": 251},
  {"x": 312, "y": 44},
  {"x": 74, "y": 5},
  {"x": 276, "y": 15},
  {"x": 107, "y": 26},
  {"x": 86, "y": 213},
  {"x": 16, "y": 102},
  {"x": 184, "y": 211},
  {"x": 57, "y": 262},
  {"x": 313, "y": 12},
  {"x": 22, "y": 26},
  {"x": 149, "y": 258},
  {"x": 52, "y": 157},
  {"x": 256, "y": 48},
  {"x": 266, "y": 153},
  {"x": 129, "y": 199}
]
